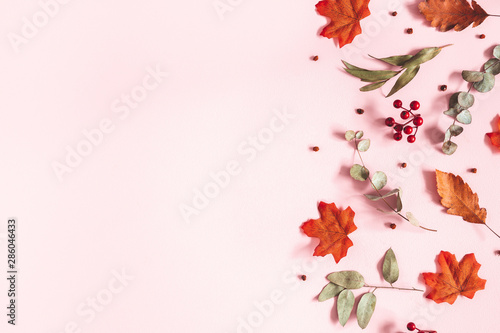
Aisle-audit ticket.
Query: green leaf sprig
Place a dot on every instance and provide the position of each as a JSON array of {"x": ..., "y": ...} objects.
[
  {"x": 342, "y": 283},
  {"x": 410, "y": 65},
  {"x": 460, "y": 102},
  {"x": 378, "y": 181}
]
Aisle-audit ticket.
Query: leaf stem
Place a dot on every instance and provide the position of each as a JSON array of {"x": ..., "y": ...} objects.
[
  {"x": 492, "y": 230},
  {"x": 391, "y": 287}
]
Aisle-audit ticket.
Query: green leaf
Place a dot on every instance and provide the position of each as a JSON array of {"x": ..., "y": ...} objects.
[
  {"x": 347, "y": 279},
  {"x": 345, "y": 304},
  {"x": 364, "y": 145},
  {"x": 404, "y": 79},
  {"x": 349, "y": 66},
  {"x": 453, "y": 102},
  {"x": 465, "y": 99},
  {"x": 452, "y": 112},
  {"x": 366, "y": 307},
  {"x": 422, "y": 56},
  {"x": 371, "y": 76},
  {"x": 329, "y": 291},
  {"x": 359, "y": 134},
  {"x": 472, "y": 76},
  {"x": 449, "y": 147},
  {"x": 373, "y": 86},
  {"x": 453, "y": 130},
  {"x": 486, "y": 84},
  {"x": 379, "y": 180},
  {"x": 464, "y": 117},
  {"x": 399, "y": 202},
  {"x": 376, "y": 197},
  {"x": 350, "y": 135},
  {"x": 413, "y": 220},
  {"x": 359, "y": 172},
  {"x": 395, "y": 60},
  {"x": 496, "y": 52},
  {"x": 492, "y": 66},
  {"x": 390, "y": 268}
]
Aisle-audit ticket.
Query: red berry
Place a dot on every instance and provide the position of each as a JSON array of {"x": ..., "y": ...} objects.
[
  {"x": 398, "y": 136},
  {"x": 408, "y": 129},
  {"x": 398, "y": 128},
  {"x": 390, "y": 122},
  {"x": 418, "y": 121},
  {"x": 405, "y": 114},
  {"x": 397, "y": 104},
  {"x": 414, "y": 105},
  {"x": 411, "y": 327},
  {"x": 411, "y": 138}
]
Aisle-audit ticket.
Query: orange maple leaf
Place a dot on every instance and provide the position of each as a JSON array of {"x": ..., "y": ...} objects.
[
  {"x": 456, "y": 278},
  {"x": 452, "y": 14},
  {"x": 495, "y": 136},
  {"x": 345, "y": 16},
  {"x": 332, "y": 229}
]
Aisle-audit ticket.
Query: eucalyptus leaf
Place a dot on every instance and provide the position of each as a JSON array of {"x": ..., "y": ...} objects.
[
  {"x": 496, "y": 52},
  {"x": 359, "y": 134},
  {"x": 404, "y": 79},
  {"x": 376, "y": 197},
  {"x": 412, "y": 219},
  {"x": 350, "y": 135},
  {"x": 449, "y": 147},
  {"x": 464, "y": 117},
  {"x": 492, "y": 66},
  {"x": 452, "y": 112},
  {"x": 465, "y": 99},
  {"x": 390, "y": 268},
  {"x": 399, "y": 202},
  {"x": 395, "y": 60},
  {"x": 347, "y": 279},
  {"x": 422, "y": 56},
  {"x": 486, "y": 84},
  {"x": 329, "y": 291},
  {"x": 453, "y": 103},
  {"x": 456, "y": 130},
  {"x": 366, "y": 307},
  {"x": 359, "y": 172},
  {"x": 472, "y": 76},
  {"x": 379, "y": 180},
  {"x": 345, "y": 304},
  {"x": 373, "y": 86},
  {"x": 371, "y": 76},
  {"x": 364, "y": 145}
]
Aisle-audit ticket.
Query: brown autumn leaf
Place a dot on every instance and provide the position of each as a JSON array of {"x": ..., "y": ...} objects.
[
  {"x": 345, "y": 16},
  {"x": 456, "y": 278},
  {"x": 452, "y": 14}
]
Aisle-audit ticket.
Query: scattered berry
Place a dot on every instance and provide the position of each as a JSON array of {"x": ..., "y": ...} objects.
[
  {"x": 443, "y": 87},
  {"x": 497, "y": 252},
  {"x": 418, "y": 121},
  {"x": 404, "y": 165},
  {"x": 397, "y": 104},
  {"x": 415, "y": 105},
  {"x": 409, "y": 31},
  {"x": 315, "y": 148},
  {"x": 393, "y": 226},
  {"x": 473, "y": 170},
  {"x": 360, "y": 111},
  {"x": 394, "y": 13},
  {"x": 315, "y": 58},
  {"x": 398, "y": 136},
  {"x": 411, "y": 138},
  {"x": 405, "y": 114},
  {"x": 390, "y": 122},
  {"x": 408, "y": 130},
  {"x": 398, "y": 128},
  {"x": 411, "y": 326},
  {"x": 482, "y": 36},
  {"x": 303, "y": 277}
]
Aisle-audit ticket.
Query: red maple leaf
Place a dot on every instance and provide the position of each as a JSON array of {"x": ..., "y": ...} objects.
[
  {"x": 456, "y": 278},
  {"x": 495, "y": 136},
  {"x": 332, "y": 229},
  {"x": 345, "y": 16}
]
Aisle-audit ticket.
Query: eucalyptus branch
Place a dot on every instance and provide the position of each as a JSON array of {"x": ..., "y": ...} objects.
[{"x": 392, "y": 287}]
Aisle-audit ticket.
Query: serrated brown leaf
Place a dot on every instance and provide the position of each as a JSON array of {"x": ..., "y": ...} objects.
[
  {"x": 332, "y": 229},
  {"x": 458, "y": 197},
  {"x": 456, "y": 278},
  {"x": 345, "y": 16},
  {"x": 452, "y": 14}
]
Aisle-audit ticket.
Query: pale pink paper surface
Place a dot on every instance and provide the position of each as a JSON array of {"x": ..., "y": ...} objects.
[{"x": 228, "y": 77}]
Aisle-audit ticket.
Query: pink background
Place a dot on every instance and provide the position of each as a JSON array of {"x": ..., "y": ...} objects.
[{"x": 120, "y": 208}]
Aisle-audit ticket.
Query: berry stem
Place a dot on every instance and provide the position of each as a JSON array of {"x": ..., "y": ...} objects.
[{"x": 391, "y": 287}]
